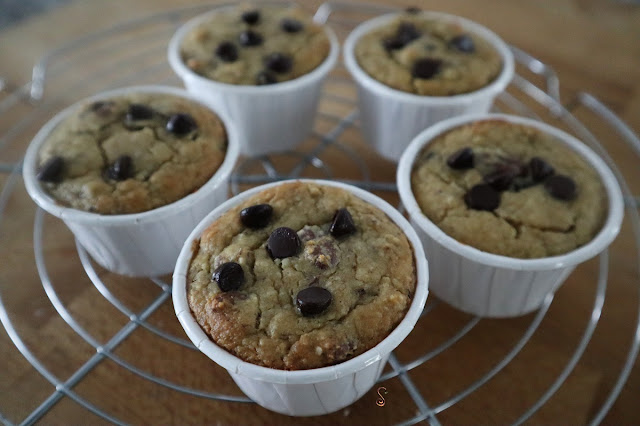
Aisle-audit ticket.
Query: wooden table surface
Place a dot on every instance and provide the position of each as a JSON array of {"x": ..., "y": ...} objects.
[{"x": 594, "y": 46}]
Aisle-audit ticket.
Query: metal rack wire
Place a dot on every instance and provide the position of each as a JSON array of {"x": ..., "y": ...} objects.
[{"x": 145, "y": 63}]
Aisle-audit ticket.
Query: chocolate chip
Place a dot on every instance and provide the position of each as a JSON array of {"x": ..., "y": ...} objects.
[
  {"x": 291, "y": 25},
  {"x": 51, "y": 170},
  {"x": 502, "y": 178},
  {"x": 482, "y": 197},
  {"x": 561, "y": 187},
  {"x": 342, "y": 224},
  {"x": 540, "y": 169},
  {"x": 229, "y": 276},
  {"x": 251, "y": 17},
  {"x": 102, "y": 108},
  {"x": 121, "y": 169},
  {"x": 463, "y": 43},
  {"x": 392, "y": 43},
  {"x": 405, "y": 34},
  {"x": 227, "y": 51},
  {"x": 313, "y": 300},
  {"x": 412, "y": 10},
  {"x": 426, "y": 68},
  {"x": 181, "y": 124},
  {"x": 265, "y": 77},
  {"x": 278, "y": 63},
  {"x": 250, "y": 38},
  {"x": 139, "y": 112},
  {"x": 257, "y": 216},
  {"x": 461, "y": 159},
  {"x": 283, "y": 242}
]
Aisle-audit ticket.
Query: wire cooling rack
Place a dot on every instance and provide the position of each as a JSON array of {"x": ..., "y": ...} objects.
[{"x": 134, "y": 53}]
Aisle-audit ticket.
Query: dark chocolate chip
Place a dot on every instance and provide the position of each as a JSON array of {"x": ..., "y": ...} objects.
[
  {"x": 426, "y": 68},
  {"x": 540, "y": 169},
  {"x": 227, "y": 51},
  {"x": 181, "y": 124},
  {"x": 392, "y": 43},
  {"x": 278, "y": 62},
  {"x": 102, "y": 108},
  {"x": 283, "y": 242},
  {"x": 461, "y": 159},
  {"x": 342, "y": 224},
  {"x": 313, "y": 300},
  {"x": 502, "y": 178},
  {"x": 257, "y": 216},
  {"x": 482, "y": 197},
  {"x": 407, "y": 32},
  {"x": 404, "y": 35},
  {"x": 291, "y": 25},
  {"x": 251, "y": 17},
  {"x": 51, "y": 170},
  {"x": 121, "y": 169},
  {"x": 265, "y": 77},
  {"x": 561, "y": 187},
  {"x": 412, "y": 10},
  {"x": 139, "y": 112},
  {"x": 229, "y": 276},
  {"x": 250, "y": 38},
  {"x": 463, "y": 43}
]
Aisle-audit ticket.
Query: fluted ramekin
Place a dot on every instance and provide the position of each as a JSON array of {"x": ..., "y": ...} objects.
[
  {"x": 139, "y": 244},
  {"x": 391, "y": 118},
  {"x": 492, "y": 285},
  {"x": 274, "y": 117},
  {"x": 303, "y": 392}
]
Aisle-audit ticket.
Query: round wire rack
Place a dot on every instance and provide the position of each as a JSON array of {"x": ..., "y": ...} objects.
[{"x": 134, "y": 53}]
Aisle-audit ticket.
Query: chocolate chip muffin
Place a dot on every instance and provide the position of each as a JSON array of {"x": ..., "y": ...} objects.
[
  {"x": 301, "y": 276},
  {"x": 255, "y": 45},
  {"x": 131, "y": 153},
  {"x": 423, "y": 55},
  {"x": 509, "y": 189}
]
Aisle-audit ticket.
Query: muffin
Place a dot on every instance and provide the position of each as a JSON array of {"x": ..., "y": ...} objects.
[
  {"x": 509, "y": 189},
  {"x": 506, "y": 207},
  {"x": 301, "y": 276},
  {"x": 329, "y": 220},
  {"x": 415, "y": 68},
  {"x": 424, "y": 55},
  {"x": 264, "y": 66},
  {"x": 255, "y": 45},
  {"x": 131, "y": 153},
  {"x": 131, "y": 172}
]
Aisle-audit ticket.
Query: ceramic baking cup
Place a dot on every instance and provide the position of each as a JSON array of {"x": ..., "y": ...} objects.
[
  {"x": 140, "y": 244},
  {"x": 303, "y": 392},
  {"x": 391, "y": 118},
  {"x": 488, "y": 284},
  {"x": 274, "y": 117}
]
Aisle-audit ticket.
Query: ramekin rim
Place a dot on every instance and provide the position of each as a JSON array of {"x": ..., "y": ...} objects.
[
  {"x": 493, "y": 88},
  {"x": 179, "y": 67},
  {"x": 608, "y": 232},
  {"x": 49, "y": 204}
]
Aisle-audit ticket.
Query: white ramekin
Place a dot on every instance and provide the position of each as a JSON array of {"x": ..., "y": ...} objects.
[
  {"x": 274, "y": 117},
  {"x": 304, "y": 392},
  {"x": 391, "y": 118},
  {"x": 488, "y": 284},
  {"x": 140, "y": 244}
]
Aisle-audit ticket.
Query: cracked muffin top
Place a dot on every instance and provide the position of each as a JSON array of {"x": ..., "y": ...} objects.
[
  {"x": 509, "y": 189},
  {"x": 427, "y": 56},
  {"x": 131, "y": 153},
  {"x": 301, "y": 276},
  {"x": 251, "y": 45}
]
